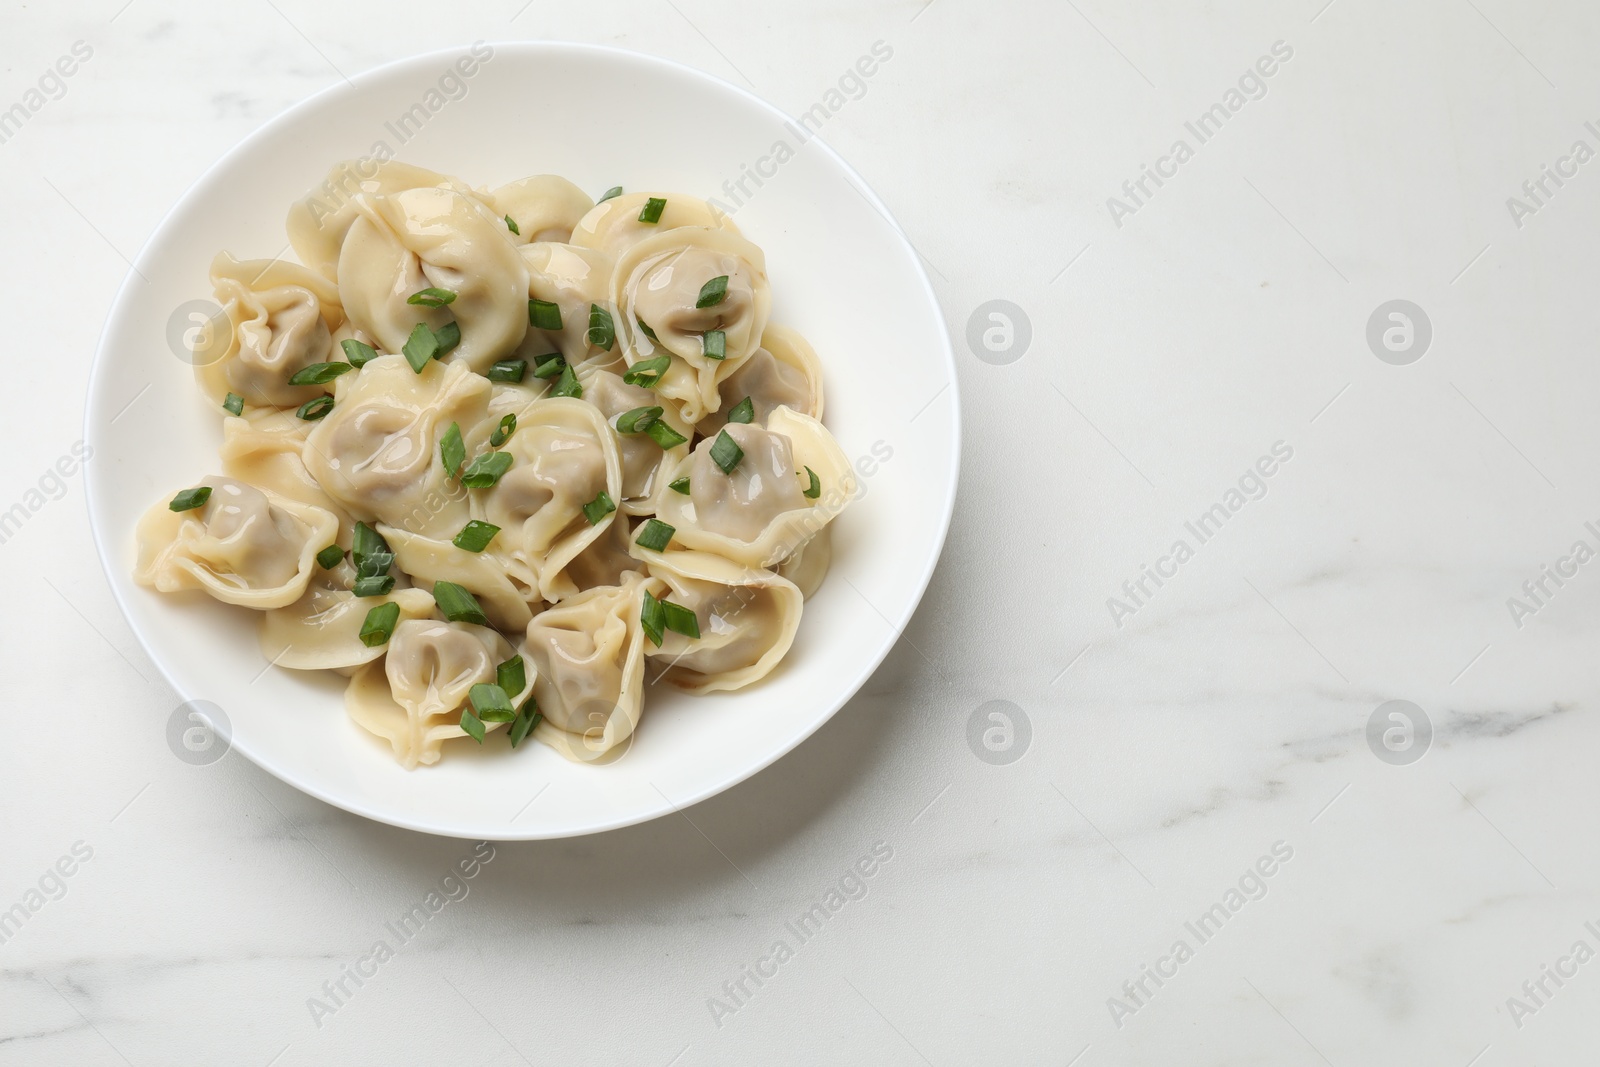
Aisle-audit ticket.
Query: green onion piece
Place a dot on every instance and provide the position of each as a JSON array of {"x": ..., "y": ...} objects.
[
  {"x": 318, "y": 373},
  {"x": 379, "y": 624},
  {"x": 377, "y": 585},
  {"x": 602, "y": 332},
  {"x": 679, "y": 485},
  {"x": 638, "y": 420},
  {"x": 507, "y": 427},
  {"x": 366, "y": 541},
  {"x": 312, "y": 410},
  {"x": 527, "y": 718},
  {"x": 647, "y": 372},
  {"x": 511, "y": 224},
  {"x": 567, "y": 384},
  {"x": 511, "y": 676},
  {"x": 432, "y": 297},
  {"x": 485, "y": 469},
  {"x": 233, "y": 404},
  {"x": 359, "y": 353},
  {"x": 813, "y": 490},
  {"x": 725, "y": 452},
  {"x": 446, "y": 338},
  {"x": 599, "y": 508},
  {"x": 714, "y": 344},
  {"x": 680, "y": 620},
  {"x": 609, "y": 194},
  {"x": 472, "y": 725},
  {"x": 420, "y": 347},
  {"x": 330, "y": 557},
  {"x": 548, "y": 366},
  {"x": 375, "y": 565},
  {"x": 652, "y": 619},
  {"x": 452, "y": 450},
  {"x": 491, "y": 702},
  {"x": 655, "y": 535},
  {"x": 713, "y": 292},
  {"x": 743, "y": 411},
  {"x": 648, "y": 332},
  {"x": 190, "y": 499},
  {"x": 544, "y": 315},
  {"x": 475, "y": 536},
  {"x": 457, "y": 604},
  {"x": 652, "y": 210},
  {"x": 508, "y": 370},
  {"x": 664, "y": 435}
]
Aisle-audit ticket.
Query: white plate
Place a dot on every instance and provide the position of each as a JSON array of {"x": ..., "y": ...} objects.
[{"x": 842, "y": 273}]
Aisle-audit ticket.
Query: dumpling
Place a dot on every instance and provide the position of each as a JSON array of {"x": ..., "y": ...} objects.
[
  {"x": 319, "y": 222},
  {"x": 783, "y": 372},
  {"x": 808, "y": 566},
  {"x": 657, "y": 286},
  {"x": 420, "y": 238},
  {"x": 758, "y": 515},
  {"x": 563, "y": 458},
  {"x": 644, "y": 462},
  {"x": 588, "y": 655},
  {"x": 747, "y": 620},
  {"x": 243, "y": 546},
  {"x": 413, "y": 698},
  {"x": 613, "y": 226},
  {"x": 322, "y": 630},
  {"x": 281, "y": 317},
  {"x": 264, "y": 448},
  {"x": 377, "y": 452},
  {"x": 482, "y": 574},
  {"x": 604, "y": 561},
  {"x": 545, "y": 207},
  {"x": 575, "y": 280}
]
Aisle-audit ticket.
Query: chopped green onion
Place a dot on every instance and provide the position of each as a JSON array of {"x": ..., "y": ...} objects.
[
  {"x": 420, "y": 347},
  {"x": 714, "y": 344},
  {"x": 609, "y": 194},
  {"x": 638, "y": 420},
  {"x": 725, "y": 452},
  {"x": 509, "y": 370},
  {"x": 652, "y": 210},
  {"x": 377, "y": 585},
  {"x": 602, "y": 332},
  {"x": 432, "y": 297},
  {"x": 813, "y": 490},
  {"x": 330, "y": 557},
  {"x": 567, "y": 384},
  {"x": 374, "y": 565},
  {"x": 652, "y": 619},
  {"x": 475, "y": 535},
  {"x": 472, "y": 725},
  {"x": 544, "y": 315},
  {"x": 599, "y": 508},
  {"x": 366, "y": 541},
  {"x": 491, "y": 702},
  {"x": 359, "y": 353},
  {"x": 679, "y": 485},
  {"x": 527, "y": 718},
  {"x": 379, "y": 624},
  {"x": 233, "y": 404},
  {"x": 548, "y": 366},
  {"x": 713, "y": 292},
  {"x": 446, "y": 338},
  {"x": 648, "y": 332},
  {"x": 647, "y": 372},
  {"x": 190, "y": 499},
  {"x": 318, "y": 373},
  {"x": 655, "y": 535},
  {"x": 680, "y": 620},
  {"x": 312, "y": 410},
  {"x": 511, "y": 224},
  {"x": 511, "y": 676},
  {"x": 507, "y": 427},
  {"x": 664, "y": 435},
  {"x": 743, "y": 411},
  {"x": 452, "y": 450},
  {"x": 457, "y": 604},
  {"x": 485, "y": 469}
]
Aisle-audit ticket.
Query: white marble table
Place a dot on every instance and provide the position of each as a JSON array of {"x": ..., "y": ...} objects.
[{"x": 1196, "y": 765}]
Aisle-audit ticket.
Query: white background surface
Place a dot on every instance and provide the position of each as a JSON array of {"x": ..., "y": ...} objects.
[{"x": 1167, "y": 755}]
